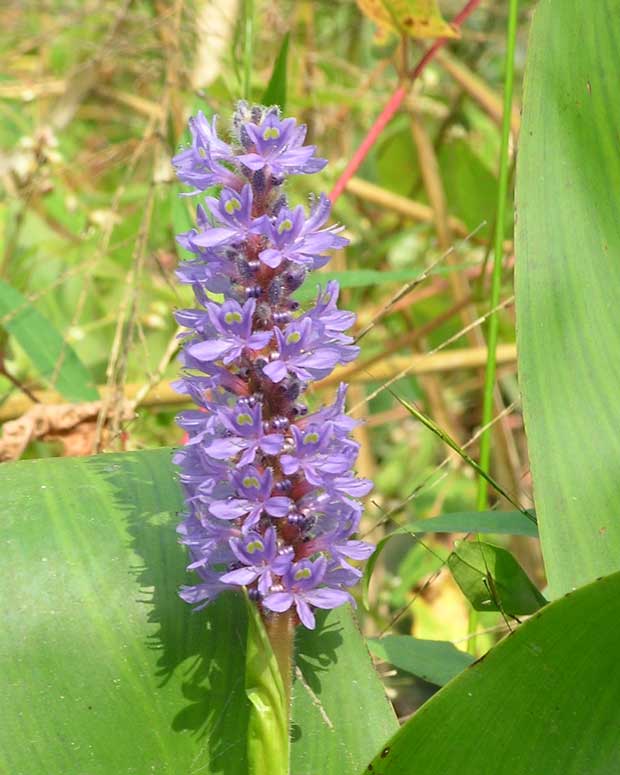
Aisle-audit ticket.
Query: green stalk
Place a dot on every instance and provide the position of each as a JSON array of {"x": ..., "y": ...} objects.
[
  {"x": 248, "y": 47},
  {"x": 502, "y": 195},
  {"x": 268, "y": 680}
]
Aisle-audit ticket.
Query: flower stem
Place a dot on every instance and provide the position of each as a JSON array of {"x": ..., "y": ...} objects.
[
  {"x": 268, "y": 673},
  {"x": 281, "y": 631}
]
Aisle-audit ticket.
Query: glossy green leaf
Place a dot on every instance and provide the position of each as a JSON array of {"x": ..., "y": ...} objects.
[
  {"x": 492, "y": 580},
  {"x": 275, "y": 93},
  {"x": 103, "y": 669},
  {"x": 435, "y": 661},
  {"x": 568, "y": 285},
  {"x": 45, "y": 347},
  {"x": 523, "y": 708}
]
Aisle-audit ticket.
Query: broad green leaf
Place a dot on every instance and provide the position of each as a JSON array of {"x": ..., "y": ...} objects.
[
  {"x": 54, "y": 359},
  {"x": 340, "y": 711},
  {"x": 436, "y": 661},
  {"x": 522, "y": 709},
  {"x": 275, "y": 93},
  {"x": 103, "y": 669},
  {"x": 492, "y": 580},
  {"x": 497, "y": 522},
  {"x": 568, "y": 285},
  {"x": 268, "y": 735}
]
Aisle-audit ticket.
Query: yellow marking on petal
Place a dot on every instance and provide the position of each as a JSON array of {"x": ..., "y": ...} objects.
[
  {"x": 232, "y": 206},
  {"x": 302, "y": 573},
  {"x": 251, "y": 481},
  {"x": 255, "y": 546},
  {"x": 286, "y": 225},
  {"x": 233, "y": 317},
  {"x": 271, "y": 133},
  {"x": 293, "y": 337},
  {"x": 311, "y": 438},
  {"x": 244, "y": 419},
  {"x": 202, "y": 152}
]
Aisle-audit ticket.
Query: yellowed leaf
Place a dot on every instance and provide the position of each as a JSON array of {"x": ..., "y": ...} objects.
[{"x": 415, "y": 18}]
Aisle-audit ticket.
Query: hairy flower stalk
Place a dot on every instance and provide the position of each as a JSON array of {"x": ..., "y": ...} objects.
[{"x": 271, "y": 496}]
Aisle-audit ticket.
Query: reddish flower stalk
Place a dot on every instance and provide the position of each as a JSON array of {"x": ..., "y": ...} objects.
[{"x": 394, "y": 103}]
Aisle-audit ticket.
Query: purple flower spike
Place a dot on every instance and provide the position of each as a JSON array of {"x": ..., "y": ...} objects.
[{"x": 272, "y": 499}]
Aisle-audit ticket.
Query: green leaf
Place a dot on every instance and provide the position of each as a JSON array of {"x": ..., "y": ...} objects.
[
  {"x": 45, "y": 347},
  {"x": 492, "y": 580},
  {"x": 436, "y": 661},
  {"x": 275, "y": 93},
  {"x": 98, "y": 647},
  {"x": 471, "y": 188},
  {"x": 268, "y": 737},
  {"x": 397, "y": 165},
  {"x": 340, "y": 711},
  {"x": 521, "y": 709},
  {"x": 568, "y": 285},
  {"x": 354, "y": 278},
  {"x": 497, "y": 522}
]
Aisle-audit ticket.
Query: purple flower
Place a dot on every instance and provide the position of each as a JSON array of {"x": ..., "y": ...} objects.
[
  {"x": 271, "y": 494},
  {"x": 245, "y": 434},
  {"x": 234, "y": 211},
  {"x": 302, "y": 353},
  {"x": 201, "y": 164},
  {"x": 278, "y": 145},
  {"x": 260, "y": 560},
  {"x": 233, "y": 323},
  {"x": 301, "y": 588},
  {"x": 300, "y": 240},
  {"x": 313, "y": 456},
  {"x": 326, "y": 314},
  {"x": 252, "y": 498},
  {"x": 340, "y": 548},
  {"x": 333, "y": 414}
]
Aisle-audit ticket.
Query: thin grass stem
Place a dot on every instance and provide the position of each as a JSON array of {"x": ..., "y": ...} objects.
[{"x": 502, "y": 195}]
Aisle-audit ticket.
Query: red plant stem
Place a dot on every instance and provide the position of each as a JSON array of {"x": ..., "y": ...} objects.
[{"x": 394, "y": 103}]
